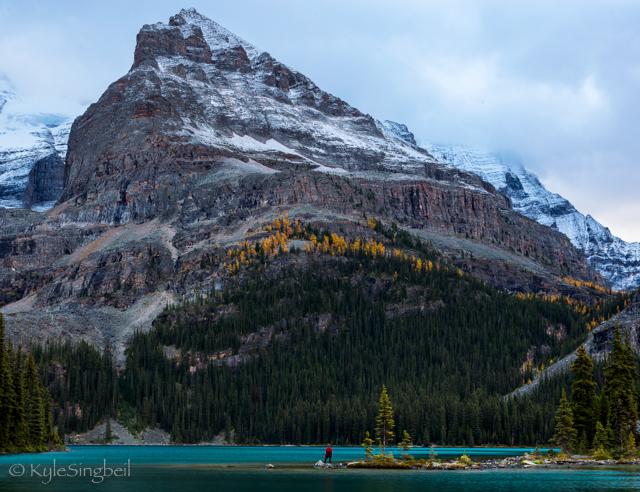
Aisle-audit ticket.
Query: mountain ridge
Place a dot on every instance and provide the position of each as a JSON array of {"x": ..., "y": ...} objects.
[{"x": 615, "y": 259}]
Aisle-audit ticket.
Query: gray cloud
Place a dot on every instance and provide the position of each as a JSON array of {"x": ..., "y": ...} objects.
[{"x": 555, "y": 82}]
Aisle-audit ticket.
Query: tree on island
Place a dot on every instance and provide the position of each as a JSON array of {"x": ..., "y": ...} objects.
[
  {"x": 583, "y": 399},
  {"x": 367, "y": 444},
  {"x": 385, "y": 422},
  {"x": 406, "y": 444},
  {"x": 564, "y": 434}
]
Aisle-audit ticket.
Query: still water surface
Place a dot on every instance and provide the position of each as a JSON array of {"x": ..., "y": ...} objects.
[{"x": 241, "y": 469}]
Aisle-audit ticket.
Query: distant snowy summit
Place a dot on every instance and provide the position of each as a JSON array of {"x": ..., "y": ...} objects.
[
  {"x": 32, "y": 152},
  {"x": 615, "y": 259}
]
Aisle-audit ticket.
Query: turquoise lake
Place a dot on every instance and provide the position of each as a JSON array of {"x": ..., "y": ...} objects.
[{"x": 240, "y": 469}]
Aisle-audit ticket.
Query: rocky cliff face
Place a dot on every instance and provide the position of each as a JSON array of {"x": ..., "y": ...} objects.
[
  {"x": 45, "y": 182},
  {"x": 616, "y": 260},
  {"x": 203, "y": 140}
]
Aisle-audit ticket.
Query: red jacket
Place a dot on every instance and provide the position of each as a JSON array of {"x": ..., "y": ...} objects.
[{"x": 328, "y": 451}]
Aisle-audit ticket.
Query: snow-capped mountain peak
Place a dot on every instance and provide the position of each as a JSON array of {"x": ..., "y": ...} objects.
[
  {"x": 616, "y": 260},
  {"x": 216, "y": 36}
]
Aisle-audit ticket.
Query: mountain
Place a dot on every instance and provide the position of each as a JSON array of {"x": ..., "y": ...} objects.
[
  {"x": 203, "y": 88},
  {"x": 200, "y": 144},
  {"x": 233, "y": 235},
  {"x": 32, "y": 153},
  {"x": 616, "y": 260}
]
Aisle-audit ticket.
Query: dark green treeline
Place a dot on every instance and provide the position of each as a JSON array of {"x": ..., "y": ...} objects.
[{"x": 25, "y": 411}]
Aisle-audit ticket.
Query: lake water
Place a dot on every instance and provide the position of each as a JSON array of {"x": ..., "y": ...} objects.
[{"x": 241, "y": 469}]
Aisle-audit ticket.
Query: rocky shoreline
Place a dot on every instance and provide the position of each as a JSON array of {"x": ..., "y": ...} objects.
[{"x": 466, "y": 463}]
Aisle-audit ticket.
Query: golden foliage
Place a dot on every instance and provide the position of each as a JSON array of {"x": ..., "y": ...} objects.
[
  {"x": 588, "y": 284},
  {"x": 281, "y": 229}
]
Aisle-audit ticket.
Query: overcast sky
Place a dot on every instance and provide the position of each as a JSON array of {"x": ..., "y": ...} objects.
[{"x": 556, "y": 82}]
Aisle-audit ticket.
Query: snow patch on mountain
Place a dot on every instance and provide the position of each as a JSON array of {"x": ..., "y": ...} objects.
[
  {"x": 25, "y": 139},
  {"x": 398, "y": 131},
  {"x": 616, "y": 260},
  {"x": 217, "y": 37}
]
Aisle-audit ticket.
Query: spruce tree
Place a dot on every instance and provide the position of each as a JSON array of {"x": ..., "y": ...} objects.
[
  {"x": 601, "y": 443},
  {"x": 600, "y": 440},
  {"x": 5, "y": 383},
  {"x": 620, "y": 389},
  {"x": 564, "y": 434},
  {"x": 630, "y": 449},
  {"x": 20, "y": 431},
  {"x": 385, "y": 422},
  {"x": 583, "y": 398},
  {"x": 406, "y": 444},
  {"x": 36, "y": 410},
  {"x": 4, "y": 438},
  {"x": 367, "y": 444},
  {"x": 7, "y": 396}
]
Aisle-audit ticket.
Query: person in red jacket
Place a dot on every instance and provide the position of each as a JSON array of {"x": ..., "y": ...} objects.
[{"x": 328, "y": 453}]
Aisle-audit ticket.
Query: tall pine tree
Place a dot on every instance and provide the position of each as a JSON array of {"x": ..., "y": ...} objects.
[
  {"x": 385, "y": 422},
  {"x": 583, "y": 397},
  {"x": 564, "y": 434},
  {"x": 20, "y": 430},
  {"x": 35, "y": 405},
  {"x": 621, "y": 377},
  {"x": 7, "y": 393}
]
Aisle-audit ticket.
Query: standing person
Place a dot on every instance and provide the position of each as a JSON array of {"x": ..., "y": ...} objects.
[{"x": 328, "y": 453}]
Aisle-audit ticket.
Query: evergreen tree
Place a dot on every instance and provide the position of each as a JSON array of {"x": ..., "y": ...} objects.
[
  {"x": 36, "y": 410},
  {"x": 583, "y": 398},
  {"x": 582, "y": 445},
  {"x": 601, "y": 439},
  {"x": 8, "y": 398},
  {"x": 601, "y": 443},
  {"x": 564, "y": 432},
  {"x": 603, "y": 408},
  {"x": 630, "y": 449},
  {"x": 385, "y": 422},
  {"x": 7, "y": 395},
  {"x": 406, "y": 444},
  {"x": 367, "y": 444},
  {"x": 620, "y": 389},
  {"x": 20, "y": 430}
]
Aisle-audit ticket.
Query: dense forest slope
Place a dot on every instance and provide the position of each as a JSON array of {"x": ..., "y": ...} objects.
[{"x": 298, "y": 343}]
